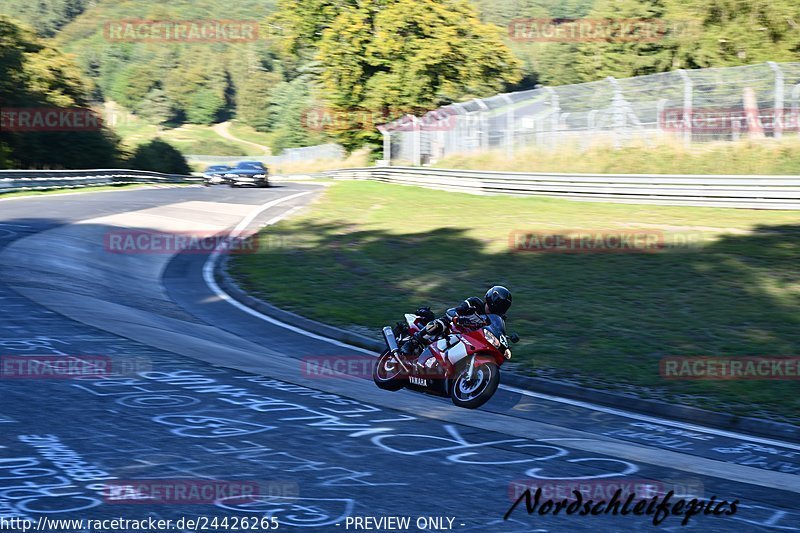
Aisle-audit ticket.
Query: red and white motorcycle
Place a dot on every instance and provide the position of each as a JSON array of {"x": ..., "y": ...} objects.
[{"x": 463, "y": 364}]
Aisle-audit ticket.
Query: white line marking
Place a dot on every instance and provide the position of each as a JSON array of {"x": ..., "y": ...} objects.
[
  {"x": 651, "y": 419},
  {"x": 208, "y": 275},
  {"x": 56, "y": 195},
  {"x": 249, "y": 218}
]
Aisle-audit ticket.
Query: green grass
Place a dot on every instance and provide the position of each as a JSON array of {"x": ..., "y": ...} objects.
[
  {"x": 368, "y": 252},
  {"x": 248, "y": 133},
  {"x": 195, "y": 139},
  {"x": 134, "y": 131},
  {"x": 746, "y": 157},
  {"x": 189, "y": 139},
  {"x": 99, "y": 188}
]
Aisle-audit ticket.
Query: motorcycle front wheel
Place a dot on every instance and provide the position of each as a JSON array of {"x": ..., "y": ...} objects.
[
  {"x": 387, "y": 372},
  {"x": 473, "y": 393}
]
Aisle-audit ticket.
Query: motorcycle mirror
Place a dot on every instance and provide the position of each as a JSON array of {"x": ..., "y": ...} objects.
[{"x": 514, "y": 338}]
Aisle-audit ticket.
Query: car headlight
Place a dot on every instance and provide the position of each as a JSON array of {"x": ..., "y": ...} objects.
[
  {"x": 259, "y": 175},
  {"x": 230, "y": 175},
  {"x": 491, "y": 338}
]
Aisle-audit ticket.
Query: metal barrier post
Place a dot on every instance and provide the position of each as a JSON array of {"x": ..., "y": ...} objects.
[
  {"x": 387, "y": 144},
  {"x": 687, "y": 108},
  {"x": 777, "y": 113},
  {"x": 554, "y": 119},
  {"x": 509, "y": 136},
  {"x": 416, "y": 142}
]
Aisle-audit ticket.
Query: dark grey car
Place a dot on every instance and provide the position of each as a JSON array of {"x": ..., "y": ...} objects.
[
  {"x": 214, "y": 174},
  {"x": 248, "y": 173}
]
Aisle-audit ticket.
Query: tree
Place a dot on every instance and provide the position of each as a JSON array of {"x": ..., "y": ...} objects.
[
  {"x": 17, "y": 44},
  {"x": 46, "y": 16},
  {"x": 695, "y": 34},
  {"x": 288, "y": 112},
  {"x": 253, "y": 96},
  {"x": 33, "y": 76},
  {"x": 132, "y": 83},
  {"x": 198, "y": 88},
  {"x": 397, "y": 56},
  {"x": 736, "y": 32},
  {"x": 156, "y": 107},
  {"x": 159, "y": 156},
  {"x": 624, "y": 55}
]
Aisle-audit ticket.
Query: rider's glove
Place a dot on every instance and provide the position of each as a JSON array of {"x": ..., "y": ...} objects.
[
  {"x": 426, "y": 314},
  {"x": 434, "y": 328},
  {"x": 471, "y": 321},
  {"x": 464, "y": 308},
  {"x": 431, "y": 329},
  {"x": 470, "y": 306}
]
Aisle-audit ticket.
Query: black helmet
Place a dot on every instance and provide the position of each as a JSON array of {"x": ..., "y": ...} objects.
[{"x": 498, "y": 300}]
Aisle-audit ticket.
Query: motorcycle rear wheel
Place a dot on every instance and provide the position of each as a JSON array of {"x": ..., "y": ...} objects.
[
  {"x": 387, "y": 374},
  {"x": 472, "y": 394}
]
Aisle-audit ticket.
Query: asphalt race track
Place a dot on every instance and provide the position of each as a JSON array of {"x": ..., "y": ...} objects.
[{"x": 204, "y": 390}]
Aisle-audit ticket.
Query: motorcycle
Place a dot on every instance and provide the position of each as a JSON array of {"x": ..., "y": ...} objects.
[{"x": 462, "y": 364}]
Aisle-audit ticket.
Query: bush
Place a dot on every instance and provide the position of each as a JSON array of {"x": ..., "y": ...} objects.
[
  {"x": 159, "y": 156},
  {"x": 5, "y": 157}
]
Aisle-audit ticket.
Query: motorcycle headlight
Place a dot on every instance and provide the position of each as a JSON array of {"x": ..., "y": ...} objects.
[
  {"x": 507, "y": 354},
  {"x": 491, "y": 338}
]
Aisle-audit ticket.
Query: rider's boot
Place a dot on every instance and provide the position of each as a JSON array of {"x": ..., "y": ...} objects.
[{"x": 409, "y": 351}]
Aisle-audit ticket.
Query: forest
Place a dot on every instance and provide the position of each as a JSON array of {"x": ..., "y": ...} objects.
[{"x": 354, "y": 59}]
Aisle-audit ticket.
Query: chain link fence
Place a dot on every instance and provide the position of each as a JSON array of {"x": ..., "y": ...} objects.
[{"x": 687, "y": 106}]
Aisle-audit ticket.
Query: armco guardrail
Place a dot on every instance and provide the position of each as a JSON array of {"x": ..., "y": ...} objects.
[
  {"x": 754, "y": 192},
  {"x": 33, "y": 180}
]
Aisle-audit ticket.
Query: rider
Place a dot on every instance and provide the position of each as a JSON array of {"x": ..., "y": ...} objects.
[{"x": 471, "y": 311}]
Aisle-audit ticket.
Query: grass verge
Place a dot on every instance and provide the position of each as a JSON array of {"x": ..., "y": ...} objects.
[
  {"x": 746, "y": 157},
  {"x": 359, "y": 158},
  {"x": 368, "y": 252},
  {"x": 242, "y": 131}
]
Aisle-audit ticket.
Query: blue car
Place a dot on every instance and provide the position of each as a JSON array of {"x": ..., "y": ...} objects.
[{"x": 248, "y": 173}]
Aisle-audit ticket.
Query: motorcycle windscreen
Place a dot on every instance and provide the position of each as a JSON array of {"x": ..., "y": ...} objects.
[{"x": 496, "y": 325}]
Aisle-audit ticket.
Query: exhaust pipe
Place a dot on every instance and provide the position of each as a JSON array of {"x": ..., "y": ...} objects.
[{"x": 391, "y": 342}]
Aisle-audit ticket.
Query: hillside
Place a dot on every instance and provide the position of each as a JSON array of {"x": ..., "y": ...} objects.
[
  {"x": 344, "y": 57},
  {"x": 170, "y": 83},
  {"x": 47, "y": 18}
]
